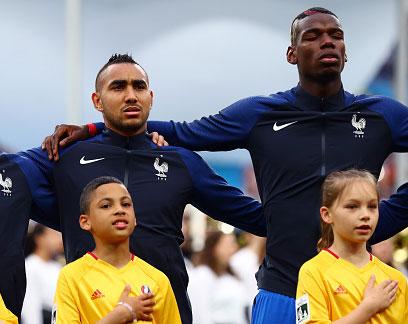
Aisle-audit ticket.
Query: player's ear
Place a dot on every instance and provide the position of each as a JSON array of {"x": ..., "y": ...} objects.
[
  {"x": 96, "y": 99},
  {"x": 325, "y": 215},
  {"x": 151, "y": 98},
  {"x": 291, "y": 55},
  {"x": 85, "y": 222}
]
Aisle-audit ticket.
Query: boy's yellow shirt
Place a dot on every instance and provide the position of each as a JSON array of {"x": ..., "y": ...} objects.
[{"x": 89, "y": 288}]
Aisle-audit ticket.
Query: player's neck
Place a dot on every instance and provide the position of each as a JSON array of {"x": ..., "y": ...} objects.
[
  {"x": 321, "y": 90},
  {"x": 126, "y": 132},
  {"x": 355, "y": 253},
  {"x": 117, "y": 255}
]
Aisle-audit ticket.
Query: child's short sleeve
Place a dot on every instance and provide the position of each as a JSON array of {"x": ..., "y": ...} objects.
[
  {"x": 312, "y": 304},
  {"x": 64, "y": 310}
]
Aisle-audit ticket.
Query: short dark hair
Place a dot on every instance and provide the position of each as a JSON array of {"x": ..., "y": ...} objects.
[
  {"x": 89, "y": 189},
  {"x": 302, "y": 15},
  {"x": 118, "y": 59}
]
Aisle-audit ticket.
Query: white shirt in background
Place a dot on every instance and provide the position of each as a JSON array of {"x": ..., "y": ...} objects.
[
  {"x": 42, "y": 279},
  {"x": 245, "y": 264},
  {"x": 214, "y": 299}
]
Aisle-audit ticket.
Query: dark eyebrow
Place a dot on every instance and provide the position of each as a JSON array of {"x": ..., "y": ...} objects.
[
  {"x": 105, "y": 199},
  {"x": 117, "y": 83},
  {"x": 122, "y": 83},
  {"x": 319, "y": 30},
  {"x": 139, "y": 83}
]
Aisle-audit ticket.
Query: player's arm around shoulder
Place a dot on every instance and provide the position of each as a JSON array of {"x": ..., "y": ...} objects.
[{"x": 226, "y": 130}]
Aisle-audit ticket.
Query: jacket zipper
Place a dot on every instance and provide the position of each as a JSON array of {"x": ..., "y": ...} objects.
[
  {"x": 323, "y": 139},
  {"x": 126, "y": 178}
]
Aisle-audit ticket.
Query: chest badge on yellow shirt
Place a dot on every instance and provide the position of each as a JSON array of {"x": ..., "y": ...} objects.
[
  {"x": 97, "y": 294},
  {"x": 340, "y": 290}
]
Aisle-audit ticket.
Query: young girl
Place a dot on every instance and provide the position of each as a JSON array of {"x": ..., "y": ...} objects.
[{"x": 344, "y": 283}]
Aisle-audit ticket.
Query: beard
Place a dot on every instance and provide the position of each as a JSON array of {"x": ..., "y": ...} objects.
[
  {"x": 323, "y": 77},
  {"x": 131, "y": 126}
]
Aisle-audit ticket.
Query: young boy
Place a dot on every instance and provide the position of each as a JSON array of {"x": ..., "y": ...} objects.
[{"x": 109, "y": 284}]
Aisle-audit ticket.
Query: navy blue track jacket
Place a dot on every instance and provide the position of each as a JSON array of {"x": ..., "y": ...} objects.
[
  {"x": 23, "y": 193},
  {"x": 161, "y": 182},
  {"x": 295, "y": 140}
]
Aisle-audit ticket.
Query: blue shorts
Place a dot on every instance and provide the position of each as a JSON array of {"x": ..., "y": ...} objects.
[{"x": 273, "y": 308}]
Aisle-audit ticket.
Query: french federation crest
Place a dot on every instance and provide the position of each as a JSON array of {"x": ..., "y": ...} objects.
[
  {"x": 359, "y": 125},
  {"x": 6, "y": 183},
  {"x": 162, "y": 168}
]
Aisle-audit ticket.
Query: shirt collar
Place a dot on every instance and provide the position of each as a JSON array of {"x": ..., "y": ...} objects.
[
  {"x": 306, "y": 101},
  {"x": 140, "y": 141}
]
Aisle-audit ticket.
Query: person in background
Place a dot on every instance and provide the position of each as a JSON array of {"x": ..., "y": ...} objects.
[
  {"x": 216, "y": 293},
  {"x": 43, "y": 246},
  {"x": 110, "y": 285},
  {"x": 246, "y": 262},
  {"x": 186, "y": 247},
  {"x": 345, "y": 283},
  {"x": 384, "y": 251}
]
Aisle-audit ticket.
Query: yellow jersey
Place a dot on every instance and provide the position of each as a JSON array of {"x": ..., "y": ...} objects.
[
  {"x": 329, "y": 288},
  {"x": 5, "y": 315},
  {"x": 89, "y": 288}
]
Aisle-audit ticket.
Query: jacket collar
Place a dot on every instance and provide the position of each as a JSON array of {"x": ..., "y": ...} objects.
[
  {"x": 140, "y": 141},
  {"x": 304, "y": 101}
]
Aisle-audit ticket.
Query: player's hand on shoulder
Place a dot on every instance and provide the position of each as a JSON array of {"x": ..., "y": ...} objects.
[
  {"x": 63, "y": 136},
  {"x": 158, "y": 139},
  {"x": 378, "y": 297}
]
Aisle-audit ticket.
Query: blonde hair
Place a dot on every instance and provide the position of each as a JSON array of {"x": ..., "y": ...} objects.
[{"x": 332, "y": 188}]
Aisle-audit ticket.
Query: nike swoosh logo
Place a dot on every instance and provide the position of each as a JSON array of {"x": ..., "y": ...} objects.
[
  {"x": 83, "y": 161},
  {"x": 277, "y": 127}
]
